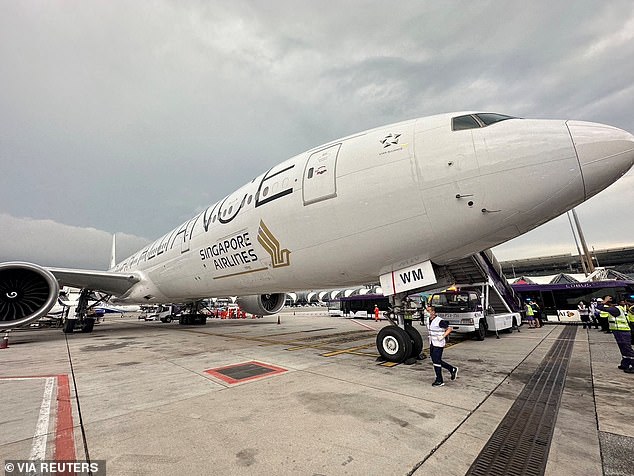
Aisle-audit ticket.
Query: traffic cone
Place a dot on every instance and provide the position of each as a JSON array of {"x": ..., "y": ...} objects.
[{"x": 5, "y": 341}]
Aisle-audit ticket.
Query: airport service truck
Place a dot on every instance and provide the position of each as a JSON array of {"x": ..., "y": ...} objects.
[
  {"x": 475, "y": 308},
  {"x": 160, "y": 312}
]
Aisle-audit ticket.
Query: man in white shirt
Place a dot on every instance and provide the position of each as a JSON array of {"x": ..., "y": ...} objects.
[{"x": 438, "y": 331}]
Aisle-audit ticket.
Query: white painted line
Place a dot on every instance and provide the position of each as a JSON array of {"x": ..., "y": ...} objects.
[
  {"x": 10, "y": 379},
  {"x": 38, "y": 450}
]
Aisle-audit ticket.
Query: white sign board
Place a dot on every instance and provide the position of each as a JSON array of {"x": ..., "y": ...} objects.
[{"x": 405, "y": 279}]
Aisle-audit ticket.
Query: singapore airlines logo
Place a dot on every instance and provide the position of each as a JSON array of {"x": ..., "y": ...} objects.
[
  {"x": 279, "y": 257},
  {"x": 390, "y": 139}
]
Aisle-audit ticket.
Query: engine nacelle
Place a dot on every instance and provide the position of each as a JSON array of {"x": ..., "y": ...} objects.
[
  {"x": 262, "y": 304},
  {"x": 27, "y": 292}
]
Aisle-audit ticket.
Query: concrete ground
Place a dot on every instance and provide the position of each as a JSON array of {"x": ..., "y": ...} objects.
[{"x": 148, "y": 406}]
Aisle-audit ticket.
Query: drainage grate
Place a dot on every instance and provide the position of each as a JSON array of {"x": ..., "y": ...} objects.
[
  {"x": 245, "y": 371},
  {"x": 521, "y": 442}
]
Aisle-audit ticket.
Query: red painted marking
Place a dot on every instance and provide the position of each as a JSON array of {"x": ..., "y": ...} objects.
[
  {"x": 216, "y": 372},
  {"x": 64, "y": 434}
]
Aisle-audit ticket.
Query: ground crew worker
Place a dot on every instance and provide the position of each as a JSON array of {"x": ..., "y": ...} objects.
[
  {"x": 409, "y": 308},
  {"x": 376, "y": 313},
  {"x": 603, "y": 314},
  {"x": 537, "y": 314},
  {"x": 620, "y": 327},
  {"x": 530, "y": 315},
  {"x": 438, "y": 331},
  {"x": 593, "y": 313},
  {"x": 584, "y": 314}
]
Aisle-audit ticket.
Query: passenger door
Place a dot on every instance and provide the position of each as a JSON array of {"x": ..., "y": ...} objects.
[{"x": 319, "y": 182}]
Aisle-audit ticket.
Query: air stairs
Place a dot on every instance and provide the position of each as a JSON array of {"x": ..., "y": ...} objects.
[{"x": 482, "y": 268}]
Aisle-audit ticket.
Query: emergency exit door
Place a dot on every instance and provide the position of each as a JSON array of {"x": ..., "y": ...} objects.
[{"x": 319, "y": 175}]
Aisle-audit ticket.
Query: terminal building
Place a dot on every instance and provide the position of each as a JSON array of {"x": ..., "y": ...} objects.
[{"x": 618, "y": 259}]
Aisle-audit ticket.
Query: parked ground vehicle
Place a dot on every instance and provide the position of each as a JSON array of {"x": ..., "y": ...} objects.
[
  {"x": 161, "y": 312},
  {"x": 475, "y": 308},
  {"x": 358, "y": 306}
]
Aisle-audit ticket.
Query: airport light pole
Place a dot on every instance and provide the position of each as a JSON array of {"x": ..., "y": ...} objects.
[
  {"x": 583, "y": 242},
  {"x": 574, "y": 235}
]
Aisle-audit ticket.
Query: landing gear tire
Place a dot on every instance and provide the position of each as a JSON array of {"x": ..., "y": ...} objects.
[
  {"x": 394, "y": 344},
  {"x": 88, "y": 325},
  {"x": 481, "y": 331},
  {"x": 417, "y": 341},
  {"x": 69, "y": 326}
]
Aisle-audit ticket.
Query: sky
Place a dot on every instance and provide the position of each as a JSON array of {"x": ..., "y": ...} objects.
[{"x": 130, "y": 117}]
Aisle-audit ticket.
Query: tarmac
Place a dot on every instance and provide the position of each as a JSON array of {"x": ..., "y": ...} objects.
[{"x": 154, "y": 398}]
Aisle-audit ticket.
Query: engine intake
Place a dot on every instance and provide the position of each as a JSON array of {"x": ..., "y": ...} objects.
[
  {"x": 262, "y": 304},
  {"x": 27, "y": 292}
]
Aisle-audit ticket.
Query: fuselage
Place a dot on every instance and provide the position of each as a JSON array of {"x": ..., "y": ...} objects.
[{"x": 437, "y": 188}]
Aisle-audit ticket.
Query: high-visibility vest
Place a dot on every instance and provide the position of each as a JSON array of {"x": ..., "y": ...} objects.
[
  {"x": 618, "y": 323},
  {"x": 529, "y": 310},
  {"x": 604, "y": 315},
  {"x": 436, "y": 333}
]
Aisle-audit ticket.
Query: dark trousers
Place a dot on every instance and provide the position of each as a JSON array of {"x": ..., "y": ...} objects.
[
  {"x": 585, "y": 320},
  {"x": 436, "y": 358},
  {"x": 624, "y": 341},
  {"x": 603, "y": 322},
  {"x": 538, "y": 319}
]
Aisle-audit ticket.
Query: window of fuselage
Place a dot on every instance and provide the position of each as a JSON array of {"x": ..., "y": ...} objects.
[
  {"x": 489, "y": 118},
  {"x": 475, "y": 121},
  {"x": 464, "y": 122}
]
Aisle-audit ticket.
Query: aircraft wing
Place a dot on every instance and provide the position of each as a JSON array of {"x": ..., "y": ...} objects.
[{"x": 104, "y": 281}]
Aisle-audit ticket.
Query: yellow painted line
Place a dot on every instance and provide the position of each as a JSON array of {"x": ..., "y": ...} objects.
[
  {"x": 346, "y": 351},
  {"x": 324, "y": 346}
]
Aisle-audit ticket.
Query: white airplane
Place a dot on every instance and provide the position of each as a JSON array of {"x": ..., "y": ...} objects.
[{"x": 393, "y": 203}]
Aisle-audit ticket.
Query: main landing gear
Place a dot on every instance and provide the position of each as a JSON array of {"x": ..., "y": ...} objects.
[
  {"x": 193, "y": 315},
  {"x": 399, "y": 342},
  {"x": 83, "y": 317}
]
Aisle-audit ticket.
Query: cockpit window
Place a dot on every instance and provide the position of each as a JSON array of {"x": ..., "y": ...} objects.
[
  {"x": 489, "y": 118},
  {"x": 464, "y": 122},
  {"x": 474, "y": 121}
]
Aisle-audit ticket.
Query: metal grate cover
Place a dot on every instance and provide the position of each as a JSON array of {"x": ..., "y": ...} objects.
[
  {"x": 245, "y": 371},
  {"x": 521, "y": 442}
]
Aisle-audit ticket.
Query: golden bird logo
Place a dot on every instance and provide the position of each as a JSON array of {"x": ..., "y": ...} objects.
[{"x": 279, "y": 257}]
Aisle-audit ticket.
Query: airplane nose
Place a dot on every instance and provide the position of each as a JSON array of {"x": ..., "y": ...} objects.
[{"x": 605, "y": 153}]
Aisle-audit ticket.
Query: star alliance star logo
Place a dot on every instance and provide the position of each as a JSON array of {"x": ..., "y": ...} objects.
[{"x": 390, "y": 139}]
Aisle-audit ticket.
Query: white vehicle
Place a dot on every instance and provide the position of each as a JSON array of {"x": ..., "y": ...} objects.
[
  {"x": 469, "y": 309},
  {"x": 408, "y": 199},
  {"x": 163, "y": 313}
]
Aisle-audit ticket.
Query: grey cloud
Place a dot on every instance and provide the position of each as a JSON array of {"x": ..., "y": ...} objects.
[
  {"x": 54, "y": 244},
  {"x": 130, "y": 116}
]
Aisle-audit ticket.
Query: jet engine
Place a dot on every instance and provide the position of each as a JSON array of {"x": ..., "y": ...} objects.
[
  {"x": 27, "y": 292},
  {"x": 262, "y": 304}
]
